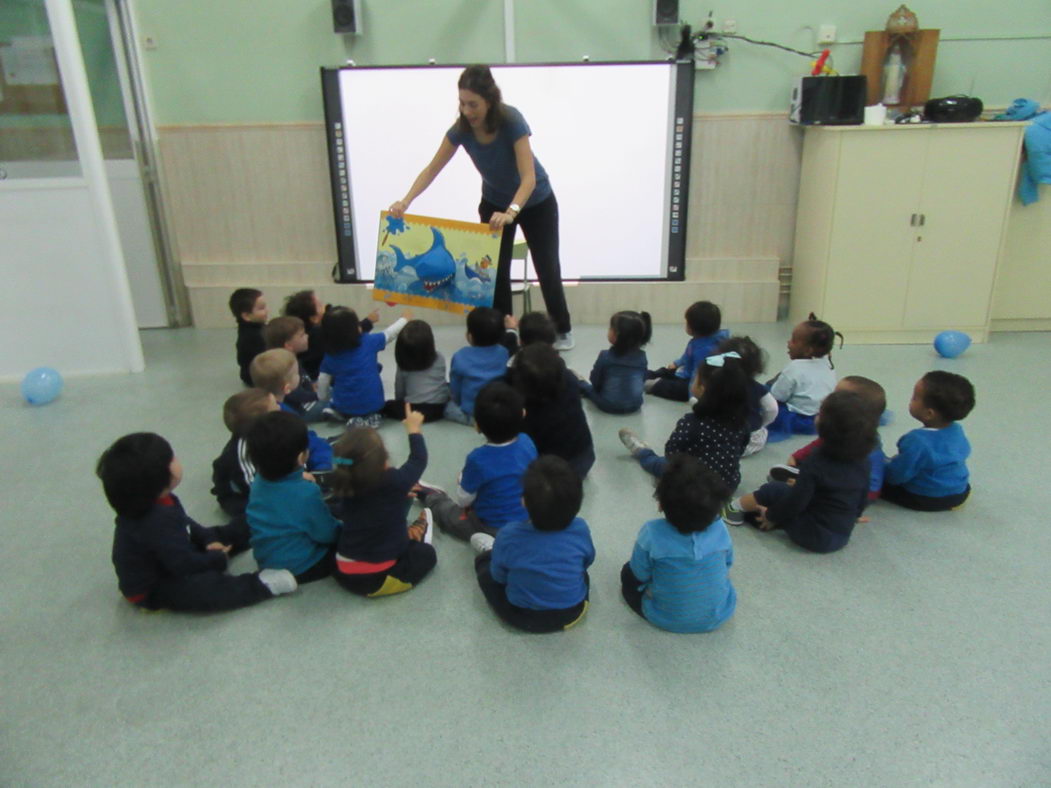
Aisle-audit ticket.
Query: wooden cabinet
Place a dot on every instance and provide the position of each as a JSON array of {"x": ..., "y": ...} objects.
[{"x": 900, "y": 228}]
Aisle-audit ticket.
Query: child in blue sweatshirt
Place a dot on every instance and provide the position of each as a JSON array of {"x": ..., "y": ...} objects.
[
  {"x": 703, "y": 321},
  {"x": 929, "y": 473},
  {"x": 277, "y": 371},
  {"x": 483, "y": 360}
]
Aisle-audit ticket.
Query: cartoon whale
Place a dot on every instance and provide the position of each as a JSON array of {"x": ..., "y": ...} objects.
[{"x": 435, "y": 267}]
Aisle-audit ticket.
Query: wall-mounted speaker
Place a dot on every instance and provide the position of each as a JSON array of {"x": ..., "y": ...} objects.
[
  {"x": 665, "y": 12},
  {"x": 346, "y": 16}
]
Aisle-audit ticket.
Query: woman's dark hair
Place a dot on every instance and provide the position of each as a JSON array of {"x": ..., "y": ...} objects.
[
  {"x": 753, "y": 357},
  {"x": 498, "y": 412},
  {"x": 364, "y": 447},
  {"x": 479, "y": 80},
  {"x": 552, "y": 492},
  {"x": 951, "y": 396},
  {"x": 134, "y": 471},
  {"x": 275, "y": 442},
  {"x": 847, "y": 426},
  {"x": 725, "y": 395},
  {"x": 536, "y": 327},
  {"x": 340, "y": 329},
  {"x": 414, "y": 348},
  {"x": 690, "y": 495},
  {"x": 485, "y": 325},
  {"x": 703, "y": 318},
  {"x": 821, "y": 338},
  {"x": 632, "y": 329},
  {"x": 538, "y": 372},
  {"x": 243, "y": 300},
  {"x": 301, "y": 305}
]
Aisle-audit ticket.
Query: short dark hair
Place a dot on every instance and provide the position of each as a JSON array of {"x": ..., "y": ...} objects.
[
  {"x": 341, "y": 329},
  {"x": 244, "y": 407},
  {"x": 134, "y": 471},
  {"x": 950, "y": 395},
  {"x": 690, "y": 494},
  {"x": 242, "y": 300},
  {"x": 538, "y": 372},
  {"x": 301, "y": 305},
  {"x": 414, "y": 348},
  {"x": 275, "y": 442},
  {"x": 703, "y": 318},
  {"x": 498, "y": 412},
  {"x": 632, "y": 331},
  {"x": 364, "y": 447},
  {"x": 485, "y": 325},
  {"x": 847, "y": 425},
  {"x": 753, "y": 357},
  {"x": 725, "y": 395},
  {"x": 536, "y": 327},
  {"x": 281, "y": 330},
  {"x": 479, "y": 79},
  {"x": 552, "y": 492},
  {"x": 870, "y": 391}
]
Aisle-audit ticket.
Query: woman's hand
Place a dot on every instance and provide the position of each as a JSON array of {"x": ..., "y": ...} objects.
[
  {"x": 398, "y": 208},
  {"x": 500, "y": 220}
]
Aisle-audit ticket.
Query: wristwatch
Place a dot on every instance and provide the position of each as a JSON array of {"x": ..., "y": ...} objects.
[{"x": 514, "y": 207}]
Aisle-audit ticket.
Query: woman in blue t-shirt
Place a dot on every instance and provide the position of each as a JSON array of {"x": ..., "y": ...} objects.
[{"x": 515, "y": 189}]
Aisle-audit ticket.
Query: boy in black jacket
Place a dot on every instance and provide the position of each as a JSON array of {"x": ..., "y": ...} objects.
[
  {"x": 248, "y": 307},
  {"x": 233, "y": 470}
]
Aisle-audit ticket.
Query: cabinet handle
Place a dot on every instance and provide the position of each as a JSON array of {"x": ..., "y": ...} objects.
[
  {"x": 912, "y": 221},
  {"x": 923, "y": 219}
]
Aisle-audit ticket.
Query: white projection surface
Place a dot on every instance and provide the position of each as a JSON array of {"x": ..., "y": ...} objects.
[{"x": 602, "y": 131}]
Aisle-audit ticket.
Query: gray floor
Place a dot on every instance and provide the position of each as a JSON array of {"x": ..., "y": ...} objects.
[{"x": 917, "y": 655}]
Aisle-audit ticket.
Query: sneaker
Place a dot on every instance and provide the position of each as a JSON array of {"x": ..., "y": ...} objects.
[
  {"x": 649, "y": 384},
  {"x": 482, "y": 543},
  {"x": 756, "y": 442},
  {"x": 631, "y": 441},
  {"x": 424, "y": 488},
  {"x": 782, "y": 473},
  {"x": 731, "y": 514},
  {"x": 373, "y": 420},
  {"x": 422, "y": 528},
  {"x": 331, "y": 414},
  {"x": 564, "y": 342},
  {"x": 278, "y": 581}
]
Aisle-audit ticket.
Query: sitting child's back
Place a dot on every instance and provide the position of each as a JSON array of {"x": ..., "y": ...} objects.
[{"x": 482, "y": 361}]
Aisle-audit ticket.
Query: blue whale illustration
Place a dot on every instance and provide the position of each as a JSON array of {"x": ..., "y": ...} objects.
[{"x": 435, "y": 267}]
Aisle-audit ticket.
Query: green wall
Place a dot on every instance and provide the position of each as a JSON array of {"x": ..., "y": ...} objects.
[{"x": 234, "y": 61}]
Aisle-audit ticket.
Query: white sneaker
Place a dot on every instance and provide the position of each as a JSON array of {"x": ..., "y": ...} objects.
[
  {"x": 631, "y": 441},
  {"x": 564, "y": 341},
  {"x": 482, "y": 543},
  {"x": 278, "y": 581},
  {"x": 756, "y": 442}
]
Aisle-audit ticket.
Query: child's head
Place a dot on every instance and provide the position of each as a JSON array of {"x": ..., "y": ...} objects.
[
  {"x": 360, "y": 459},
  {"x": 136, "y": 471},
  {"x": 940, "y": 398},
  {"x": 703, "y": 319},
  {"x": 538, "y": 372},
  {"x": 248, "y": 305},
  {"x": 485, "y": 326},
  {"x": 244, "y": 407},
  {"x": 499, "y": 412},
  {"x": 812, "y": 338},
  {"x": 552, "y": 493},
  {"x": 869, "y": 390},
  {"x": 341, "y": 329},
  {"x": 690, "y": 495},
  {"x": 628, "y": 331},
  {"x": 414, "y": 349},
  {"x": 846, "y": 425},
  {"x": 306, "y": 306},
  {"x": 536, "y": 327},
  {"x": 753, "y": 357},
  {"x": 277, "y": 444},
  {"x": 287, "y": 332},
  {"x": 276, "y": 371},
  {"x": 721, "y": 388}
]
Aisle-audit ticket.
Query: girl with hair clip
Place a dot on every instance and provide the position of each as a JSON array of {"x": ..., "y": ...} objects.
[
  {"x": 762, "y": 407},
  {"x": 806, "y": 380},
  {"x": 715, "y": 432},
  {"x": 376, "y": 554},
  {"x": 420, "y": 379},
  {"x": 617, "y": 378}
]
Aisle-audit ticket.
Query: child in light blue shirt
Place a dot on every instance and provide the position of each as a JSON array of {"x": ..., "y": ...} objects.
[{"x": 483, "y": 360}]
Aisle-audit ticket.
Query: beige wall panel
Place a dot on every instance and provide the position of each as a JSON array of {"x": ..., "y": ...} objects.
[{"x": 1023, "y": 286}]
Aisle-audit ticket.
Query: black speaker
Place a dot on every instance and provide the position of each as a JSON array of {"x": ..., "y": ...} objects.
[
  {"x": 346, "y": 16},
  {"x": 665, "y": 12}
]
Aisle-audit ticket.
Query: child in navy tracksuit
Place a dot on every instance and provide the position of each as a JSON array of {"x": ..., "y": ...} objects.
[
  {"x": 277, "y": 371},
  {"x": 163, "y": 559},
  {"x": 232, "y": 470},
  {"x": 703, "y": 319},
  {"x": 534, "y": 573},
  {"x": 483, "y": 360},
  {"x": 248, "y": 306},
  {"x": 618, "y": 375},
  {"x": 929, "y": 473}
]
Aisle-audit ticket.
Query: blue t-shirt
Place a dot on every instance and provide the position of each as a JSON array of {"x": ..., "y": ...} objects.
[
  {"x": 698, "y": 349},
  {"x": 931, "y": 462},
  {"x": 494, "y": 474},
  {"x": 685, "y": 578},
  {"x": 496, "y": 163},
  {"x": 356, "y": 386},
  {"x": 291, "y": 526},
  {"x": 543, "y": 570},
  {"x": 319, "y": 450},
  {"x": 471, "y": 368}
]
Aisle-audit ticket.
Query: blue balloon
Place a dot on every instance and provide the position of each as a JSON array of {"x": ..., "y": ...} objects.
[
  {"x": 950, "y": 344},
  {"x": 41, "y": 385}
]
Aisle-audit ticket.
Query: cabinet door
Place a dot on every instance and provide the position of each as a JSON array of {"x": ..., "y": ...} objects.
[
  {"x": 878, "y": 191},
  {"x": 965, "y": 197}
]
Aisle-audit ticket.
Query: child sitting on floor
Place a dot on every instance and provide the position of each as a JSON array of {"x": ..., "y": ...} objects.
[
  {"x": 232, "y": 470},
  {"x": 678, "y": 577},
  {"x": 163, "y": 559},
  {"x": 534, "y": 573},
  {"x": 483, "y": 360},
  {"x": 248, "y": 306},
  {"x": 306, "y": 305},
  {"x": 618, "y": 375},
  {"x": 703, "y": 321},
  {"x": 420, "y": 379},
  {"x": 289, "y": 333},
  {"x": 929, "y": 473},
  {"x": 806, "y": 380},
  {"x": 762, "y": 407},
  {"x": 277, "y": 371}
]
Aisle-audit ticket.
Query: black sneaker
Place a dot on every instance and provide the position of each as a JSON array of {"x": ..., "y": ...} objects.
[
  {"x": 783, "y": 473},
  {"x": 732, "y": 516}
]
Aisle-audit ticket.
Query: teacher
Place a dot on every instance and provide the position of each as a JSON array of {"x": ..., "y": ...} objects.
[{"x": 515, "y": 190}]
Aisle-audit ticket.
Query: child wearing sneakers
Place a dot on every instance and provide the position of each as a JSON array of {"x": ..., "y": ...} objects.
[
  {"x": 483, "y": 360},
  {"x": 248, "y": 306},
  {"x": 291, "y": 526},
  {"x": 277, "y": 371},
  {"x": 162, "y": 558},
  {"x": 289, "y": 333},
  {"x": 232, "y": 470},
  {"x": 488, "y": 494},
  {"x": 703, "y": 321},
  {"x": 678, "y": 577},
  {"x": 377, "y": 555},
  {"x": 534, "y": 573},
  {"x": 929, "y": 473}
]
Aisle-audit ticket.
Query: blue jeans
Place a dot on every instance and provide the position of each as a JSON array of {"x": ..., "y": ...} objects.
[{"x": 651, "y": 462}]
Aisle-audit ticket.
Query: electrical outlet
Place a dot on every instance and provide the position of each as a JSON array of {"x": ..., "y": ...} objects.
[
  {"x": 826, "y": 34},
  {"x": 729, "y": 25}
]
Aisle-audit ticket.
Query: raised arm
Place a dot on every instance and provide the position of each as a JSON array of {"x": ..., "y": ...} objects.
[{"x": 425, "y": 178}]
